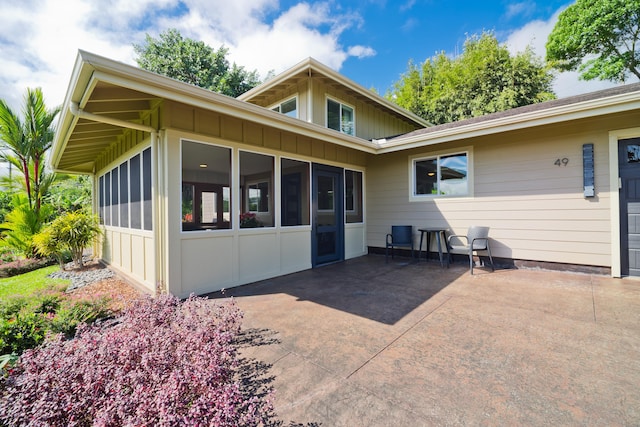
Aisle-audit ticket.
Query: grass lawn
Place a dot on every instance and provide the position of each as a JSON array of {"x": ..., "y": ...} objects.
[{"x": 28, "y": 283}]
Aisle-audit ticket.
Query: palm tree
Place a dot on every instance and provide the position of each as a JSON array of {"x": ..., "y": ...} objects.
[{"x": 26, "y": 142}]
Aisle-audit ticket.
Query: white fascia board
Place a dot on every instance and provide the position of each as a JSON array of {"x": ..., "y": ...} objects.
[{"x": 566, "y": 113}]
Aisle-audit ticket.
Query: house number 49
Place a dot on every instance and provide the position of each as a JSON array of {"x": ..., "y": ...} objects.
[{"x": 561, "y": 162}]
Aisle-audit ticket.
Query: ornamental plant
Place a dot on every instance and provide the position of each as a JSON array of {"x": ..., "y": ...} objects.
[
  {"x": 163, "y": 363},
  {"x": 71, "y": 231}
]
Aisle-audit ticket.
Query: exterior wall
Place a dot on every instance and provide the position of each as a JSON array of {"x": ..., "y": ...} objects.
[
  {"x": 535, "y": 208},
  {"x": 129, "y": 251},
  {"x": 206, "y": 261},
  {"x": 371, "y": 122},
  {"x": 301, "y": 90}
]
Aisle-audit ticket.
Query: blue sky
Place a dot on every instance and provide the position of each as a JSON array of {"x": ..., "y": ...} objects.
[{"x": 369, "y": 41}]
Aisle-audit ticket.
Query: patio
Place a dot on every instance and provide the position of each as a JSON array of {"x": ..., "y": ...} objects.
[{"x": 364, "y": 343}]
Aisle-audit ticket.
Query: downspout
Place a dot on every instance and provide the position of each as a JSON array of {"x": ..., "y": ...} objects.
[{"x": 156, "y": 190}]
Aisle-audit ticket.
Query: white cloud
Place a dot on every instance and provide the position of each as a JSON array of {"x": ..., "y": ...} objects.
[
  {"x": 40, "y": 39},
  {"x": 523, "y": 8},
  {"x": 535, "y": 34}
]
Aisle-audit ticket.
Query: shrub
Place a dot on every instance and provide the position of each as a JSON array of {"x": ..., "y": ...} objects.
[
  {"x": 164, "y": 363},
  {"x": 26, "y": 321},
  {"x": 71, "y": 231}
]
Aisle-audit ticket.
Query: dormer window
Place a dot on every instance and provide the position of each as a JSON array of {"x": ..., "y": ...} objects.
[
  {"x": 288, "y": 107},
  {"x": 341, "y": 117}
]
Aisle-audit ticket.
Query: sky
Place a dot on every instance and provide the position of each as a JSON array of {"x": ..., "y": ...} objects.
[{"x": 368, "y": 41}]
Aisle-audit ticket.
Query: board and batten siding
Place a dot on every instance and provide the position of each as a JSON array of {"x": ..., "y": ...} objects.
[
  {"x": 372, "y": 122},
  {"x": 533, "y": 204}
]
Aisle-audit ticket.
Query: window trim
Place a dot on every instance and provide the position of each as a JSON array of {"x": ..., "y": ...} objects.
[
  {"x": 279, "y": 106},
  {"x": 413, "y": 197},
  {"x": 326, "y": 114}
]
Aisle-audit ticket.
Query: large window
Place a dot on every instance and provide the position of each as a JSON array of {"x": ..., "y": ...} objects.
[
  {"x": 444, "y": 175},
  {"x": 341, "y": 117},
  {"x": 353, "y": 195},
  {"x": 288, "y": 107},
  {"x": 294, "y": 197},
  {"x": 124, "y": 194},
  {"x": 206, "y": 178},
  {"x": 256, "y": 182}
]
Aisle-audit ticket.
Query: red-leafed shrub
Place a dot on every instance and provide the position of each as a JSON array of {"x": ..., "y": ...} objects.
[{"x": 164, "y": 363}]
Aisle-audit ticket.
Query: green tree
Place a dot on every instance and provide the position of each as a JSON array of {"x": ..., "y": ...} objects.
[
  {"x": 599, "y": 38},
  {"x": 484, "y": 79},
  {"x": 26, "y": 141},
  {"x": 194, "y": 62},
  {"x": 71, "y": 231},
  {"x": 70, "y": 193}
]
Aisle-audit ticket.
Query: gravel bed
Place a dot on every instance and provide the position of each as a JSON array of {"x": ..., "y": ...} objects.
[{"x": 79, "y": 278}]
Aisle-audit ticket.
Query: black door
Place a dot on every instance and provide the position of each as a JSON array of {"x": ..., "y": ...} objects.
[
  {"x": 629, "y": 166},
  {"x": 328, "y": 215}
]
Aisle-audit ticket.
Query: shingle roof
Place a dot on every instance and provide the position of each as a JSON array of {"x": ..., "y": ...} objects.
[{"x": 576, "y": 99}]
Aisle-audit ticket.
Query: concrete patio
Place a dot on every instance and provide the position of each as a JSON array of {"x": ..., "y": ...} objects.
[{"x": 365, "y": 343}]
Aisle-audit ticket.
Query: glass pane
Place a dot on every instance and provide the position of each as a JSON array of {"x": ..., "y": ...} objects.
[
  {"x": 124, "y": 195},
  {"x": 206, "y": 178},
  {"x": 208, "y": 208},
  {"x": 333, "y": 115},
  {"x": 290, "y": 108},
  {"x": 294, "y": 192},
  {"x": 256, "y": 180},
  {"x": 347, "y": 120},
  {"x": 326, "y": 187},
  {"x": 146, "y": 189},
  {"x": 136, "y": 207},
  {"x": 115, "y": 208},
  {"x": 101, "y": 197},
  {"x": 633, "y": 153},
  {"x": 187, "y": 203},
  {"x": 453, "y": 175},
  {"x": 426, "y": 174},
  {"x": 107, "y": 198},
  {"x": 353, "y": 195}
]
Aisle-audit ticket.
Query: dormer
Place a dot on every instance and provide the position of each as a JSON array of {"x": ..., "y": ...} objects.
[{"x": 315, "y": 93}]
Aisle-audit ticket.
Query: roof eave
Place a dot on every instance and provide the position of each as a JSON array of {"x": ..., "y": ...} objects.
[{"x": 585, "y": 109}]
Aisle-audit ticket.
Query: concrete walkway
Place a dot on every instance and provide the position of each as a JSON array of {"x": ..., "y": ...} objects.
[{"x": 364, "y": 343}]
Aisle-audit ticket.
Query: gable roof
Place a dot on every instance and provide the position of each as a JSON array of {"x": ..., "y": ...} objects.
[
  {"x": 613, "y": 100},
  {"x": 312, "y": 68},
  {"x": 105, "y": 97}
]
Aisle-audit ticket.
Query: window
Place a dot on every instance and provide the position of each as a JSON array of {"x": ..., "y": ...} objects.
[
  {"x": 288, "y": 107},
  {"x": 206, "y": 178},
  {"x": 445, "y": 175},
  {"x": 107, "y": 198},
  {"x": 136, "y": 206},
  {"x": 101, "y": 198},
  {"x": 146, "y": 189},
  {"x": 256, "y": 184},
  {"x": 340, "y": 117},
  {"x": 353, "y": 196},
  {"x": 124, "y": 195},
  {"x": 294, "y": 196},
  {"x": 115, "y": 207}
]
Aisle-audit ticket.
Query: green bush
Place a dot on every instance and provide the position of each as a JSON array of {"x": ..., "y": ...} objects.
[
  {"x": 71, "y": 231},
  {"x": 26, "y": 321}
]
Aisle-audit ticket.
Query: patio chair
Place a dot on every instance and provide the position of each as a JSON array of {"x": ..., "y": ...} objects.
[
  {"x": 477, "y": 239},
  {"x": 401, "y": 236}
]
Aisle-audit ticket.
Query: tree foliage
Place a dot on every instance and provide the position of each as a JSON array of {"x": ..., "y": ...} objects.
[
  {"x": 26, "y": 141},
  {"x": 599, "y": 38},
  {"x": 22, "y": 224},
  {"x": 484, "y": 79},
  {"x": 194, "y": 62}
]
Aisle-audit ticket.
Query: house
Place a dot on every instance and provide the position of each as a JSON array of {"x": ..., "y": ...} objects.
[{"x": 198, "y": 191}]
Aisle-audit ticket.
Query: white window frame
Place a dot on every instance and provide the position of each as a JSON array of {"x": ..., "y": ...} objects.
[
  {"x": 342, "y": 103},
  {"x": 413, "y": 197},
  {"x": 278, "y": 106}
]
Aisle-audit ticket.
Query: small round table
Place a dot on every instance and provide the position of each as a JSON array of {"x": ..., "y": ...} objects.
[{"x": 439, "y": 232}]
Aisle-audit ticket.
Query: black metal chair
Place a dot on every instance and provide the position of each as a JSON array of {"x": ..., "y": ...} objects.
[
  {"x": 401, "y": 236},
  {"x": 477, "y": 239}
]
